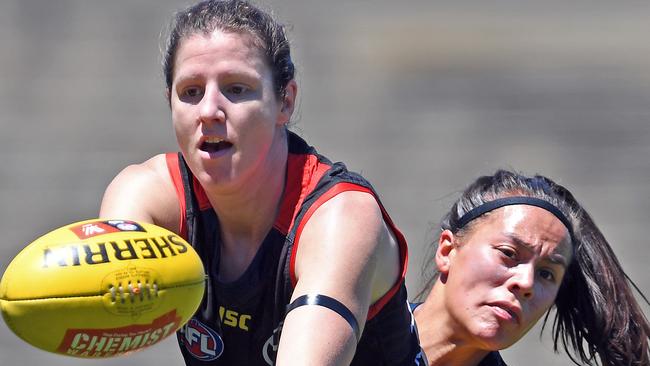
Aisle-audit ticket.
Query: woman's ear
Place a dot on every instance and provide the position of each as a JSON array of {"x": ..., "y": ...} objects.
[
  {"x": 288, "y": 102},
  {"x": 444, "y": 252}
]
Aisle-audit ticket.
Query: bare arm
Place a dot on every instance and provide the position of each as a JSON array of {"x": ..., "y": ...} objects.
[
  {"x": 143, "y": 192},
  {"x": 346, "y": 252}
]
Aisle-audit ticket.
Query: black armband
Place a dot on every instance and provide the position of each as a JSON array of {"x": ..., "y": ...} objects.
[{"x": 329, "y": 303}]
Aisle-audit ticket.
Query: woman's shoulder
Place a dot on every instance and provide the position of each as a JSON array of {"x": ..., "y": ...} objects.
[
  {"x": 142, "y": 177},
  {"x": 143, "y": 191}
]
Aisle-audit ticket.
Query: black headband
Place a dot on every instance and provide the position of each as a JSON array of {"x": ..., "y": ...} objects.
[{"x": 508, "y": 201}]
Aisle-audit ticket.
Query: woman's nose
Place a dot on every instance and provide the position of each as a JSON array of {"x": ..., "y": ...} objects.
[
  {"x": 522, "y": 282},
  {"x": 211, "y": 107}
]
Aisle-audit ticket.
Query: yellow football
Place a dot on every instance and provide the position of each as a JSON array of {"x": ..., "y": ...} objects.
[{"x": 101, "y": 288}]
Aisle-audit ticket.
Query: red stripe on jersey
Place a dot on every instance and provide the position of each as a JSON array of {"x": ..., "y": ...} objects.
[
  {"x": 175, "y": 174},
  {"x": 173, "y": 166},
  {"x": 201, "y": 196},
  {"x": 376, "y": 307},
  {"x": 303, "y": 173}
]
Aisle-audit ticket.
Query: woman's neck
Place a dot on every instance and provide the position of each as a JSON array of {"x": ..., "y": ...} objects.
[
  {"x": 248, "y": 210},
  {"x": 440, "y": 339}
]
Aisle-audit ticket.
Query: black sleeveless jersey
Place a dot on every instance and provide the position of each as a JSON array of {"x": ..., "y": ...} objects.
[{"x": 239, "y": 323}]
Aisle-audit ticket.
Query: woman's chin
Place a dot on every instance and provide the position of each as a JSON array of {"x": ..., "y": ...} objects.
[{"x": 494, "y": 338}]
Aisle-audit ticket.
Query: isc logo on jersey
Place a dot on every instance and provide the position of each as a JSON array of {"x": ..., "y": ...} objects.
[{"x": 201, "y": 341}]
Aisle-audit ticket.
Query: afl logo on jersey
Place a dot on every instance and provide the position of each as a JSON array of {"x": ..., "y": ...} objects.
[{"x": 201, "y": 341}]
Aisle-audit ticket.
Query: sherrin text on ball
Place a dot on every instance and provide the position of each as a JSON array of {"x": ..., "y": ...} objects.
[{"x": 101, "y": 288}]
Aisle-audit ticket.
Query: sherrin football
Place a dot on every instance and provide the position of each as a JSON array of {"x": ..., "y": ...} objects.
[{"x": 101, "y": 288}]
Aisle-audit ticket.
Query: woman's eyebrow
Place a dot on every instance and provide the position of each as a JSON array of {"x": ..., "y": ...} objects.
[{"x": 555, "y": 258}]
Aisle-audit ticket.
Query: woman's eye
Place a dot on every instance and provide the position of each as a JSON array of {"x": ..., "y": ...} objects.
[
  {"x": 508, "y": 252},
  {"x": 192, "y": 92},
  {"x": 237, "y": 89},
  {"x": 547, "y": 275}
]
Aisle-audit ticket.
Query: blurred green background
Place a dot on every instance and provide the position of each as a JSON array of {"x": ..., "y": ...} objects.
[{"x": 420, "y": 96}]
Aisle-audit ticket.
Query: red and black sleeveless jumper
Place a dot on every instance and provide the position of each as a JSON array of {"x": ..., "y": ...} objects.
[{"x": 238, "y": 323}]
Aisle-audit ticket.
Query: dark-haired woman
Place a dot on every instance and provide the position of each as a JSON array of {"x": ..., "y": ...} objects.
[
  {"x": 275, "y": 223},
  {"x": 511, "y": 248}
]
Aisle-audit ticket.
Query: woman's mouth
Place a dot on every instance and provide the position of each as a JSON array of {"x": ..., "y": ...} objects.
[
  {"x": 506, "y": 311},
  {"x": 214, "y": 144}
]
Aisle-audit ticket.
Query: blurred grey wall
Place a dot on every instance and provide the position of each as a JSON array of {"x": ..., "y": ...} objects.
[{"x": 419, "y": 96}]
